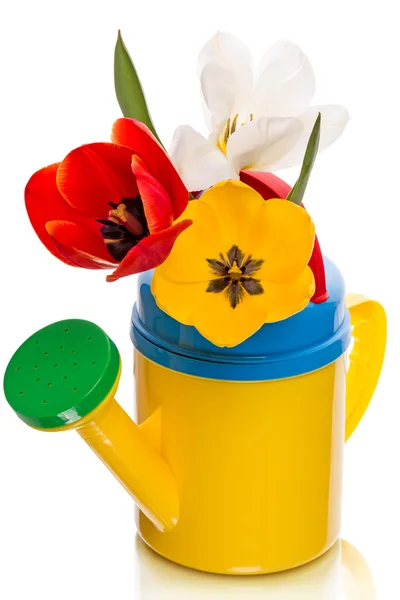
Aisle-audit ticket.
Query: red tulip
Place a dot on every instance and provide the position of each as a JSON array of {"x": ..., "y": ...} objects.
[{"x": 110, "y": 205}]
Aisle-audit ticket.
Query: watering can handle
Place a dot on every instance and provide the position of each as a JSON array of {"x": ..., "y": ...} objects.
[{"x": 368, "y": 321}]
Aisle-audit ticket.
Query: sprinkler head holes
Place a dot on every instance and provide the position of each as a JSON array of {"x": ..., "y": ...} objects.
[{"x": 61, "y": 373}]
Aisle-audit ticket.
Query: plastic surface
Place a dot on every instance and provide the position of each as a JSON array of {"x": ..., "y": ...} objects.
[
  {"x": 258, "y": 466},
  {"x": 230, "y": 476},
  {"x": 309, "y": 340},
  {"x": 131, "y": 456},
  {"x": 61, "y": 373},
  {"x": 368, "y": 320},
  {"x": 82, "y": 365}
]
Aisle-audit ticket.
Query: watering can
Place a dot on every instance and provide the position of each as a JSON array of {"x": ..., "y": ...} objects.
[{"x": 235, "y": 463}]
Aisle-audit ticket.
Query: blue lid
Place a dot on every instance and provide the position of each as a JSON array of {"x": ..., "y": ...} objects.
[{"x": 309, "y": 340}]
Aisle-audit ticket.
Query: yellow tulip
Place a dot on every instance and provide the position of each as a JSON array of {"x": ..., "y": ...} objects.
[{"x": 241, "y": 264}]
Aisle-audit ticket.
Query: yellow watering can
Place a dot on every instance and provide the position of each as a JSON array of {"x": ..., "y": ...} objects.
[{"x": 236, "y": 464}]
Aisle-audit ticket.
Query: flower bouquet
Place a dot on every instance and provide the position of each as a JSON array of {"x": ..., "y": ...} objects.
[
  {"x": 226, "y": 261},
  {"x": 240, "y": 327}
]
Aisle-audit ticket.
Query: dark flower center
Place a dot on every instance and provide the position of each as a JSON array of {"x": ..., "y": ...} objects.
[
  {"x": 235, "y": 275},
  {"x": 125, "y": 227}
]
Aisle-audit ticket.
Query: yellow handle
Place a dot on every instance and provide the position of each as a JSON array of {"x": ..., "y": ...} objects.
[{"x": 368, "y": 320}]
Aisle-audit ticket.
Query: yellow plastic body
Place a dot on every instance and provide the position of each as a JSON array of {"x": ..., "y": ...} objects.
[
  {"x": 258, "y": 466},
  {"x": 239, "y": 477}
]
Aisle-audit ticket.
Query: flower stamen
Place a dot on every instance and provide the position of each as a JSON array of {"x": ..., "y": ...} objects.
[
  {"x": 125, "y": 227},
  {"x": 234, "y": 275},
  {"x": 228, "y": 130},
  {"x": 234, "y": 123},
  {"x": 235, "y": 272},
  {"x": 120, "y": 215}
]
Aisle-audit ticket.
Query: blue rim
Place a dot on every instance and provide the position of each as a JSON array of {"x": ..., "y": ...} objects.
[
  {"x": 305, "y": 342},
  {"x": 287, "y": 365}
]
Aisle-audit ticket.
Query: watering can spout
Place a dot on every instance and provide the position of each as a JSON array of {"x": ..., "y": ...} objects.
[
  {"x": 130, "y": 452},
  {"x": 65, "y": 377}
]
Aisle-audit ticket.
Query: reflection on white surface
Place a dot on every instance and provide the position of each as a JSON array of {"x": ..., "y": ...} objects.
[{"x": 341, "y": 574}]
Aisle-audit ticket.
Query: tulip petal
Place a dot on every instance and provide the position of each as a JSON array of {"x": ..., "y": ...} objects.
[
  {"x": 180, "y": 298},
  {"x": 149, "y": 252},
  {"x": 185, "y": 264},
  {"x": 235, "y": 206},
  {"x": 44, "y": 203},
  {"x": 156, "y": 202},
  {"x": 283, "y": 234},
  {"x": 286, "y": 83},
  {"x": 92, "y": 176},
  {"x": 271, "y": 186},
  {"x": 79, "y": 245},
  {"x": 218, "y": 92},
  {"x": 333, "y": 122},
  {"x": 267, "y": 185},
  {"x": 210, "y": 313},
  {"x": 282, "y": 300},
  {"x": 227, "y": 51},
  {"x": 199, "y": 161},
  {"x": 80, "y": 259},
  {"x": 223, "y": 325},
  {"x": 262, "y": 142},
  {"x": 135, "y": 135}
]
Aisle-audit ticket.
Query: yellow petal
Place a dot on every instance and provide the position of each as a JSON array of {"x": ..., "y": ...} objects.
[
  {"x": 282, "y": 300},
  {"x": 282, "y": 234},
  {"x": 228, "y": 214},
  {"x": 202, "y": 240},
  {"x": 223, "y": 325},
  {"x": 235, "y": 205},
  {"x": 177, "y": 299}
]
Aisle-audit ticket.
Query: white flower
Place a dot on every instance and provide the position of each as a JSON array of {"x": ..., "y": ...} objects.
[{"x": 258, "y": 124}]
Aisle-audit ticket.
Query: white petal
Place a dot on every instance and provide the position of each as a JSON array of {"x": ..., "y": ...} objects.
[
  {"x": 227, "y": 51},
  {"x": 218, "y": 90},
  {"x": 198, "y": 161},
  {"x": 334, "y": 119},
  {"x": 286, "y": 83},
  {"x": 262, "y": 142}
]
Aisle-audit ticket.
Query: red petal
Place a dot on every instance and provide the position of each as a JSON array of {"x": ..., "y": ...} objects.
[
  {"x": 316, "y": 264},
  {"x": 80, "y": 246},
  {"x": 150, "y": 252},
  {"x": 266, "y": 184},
  {"x": 44, "y": 203},
  {"x": 156, "y": 202},
  {"x": 135, "y": 135},
  {"x": 92, "y": 176},
  {"x": 79, "y": 259}
]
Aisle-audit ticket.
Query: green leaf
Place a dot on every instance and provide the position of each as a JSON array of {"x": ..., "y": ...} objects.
[
  {"x": 298, "y": 190},
  {"x": 128, "y": 88}
]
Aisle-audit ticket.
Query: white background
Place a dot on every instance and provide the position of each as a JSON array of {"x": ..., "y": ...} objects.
[{"x": 66, "y": 527}]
